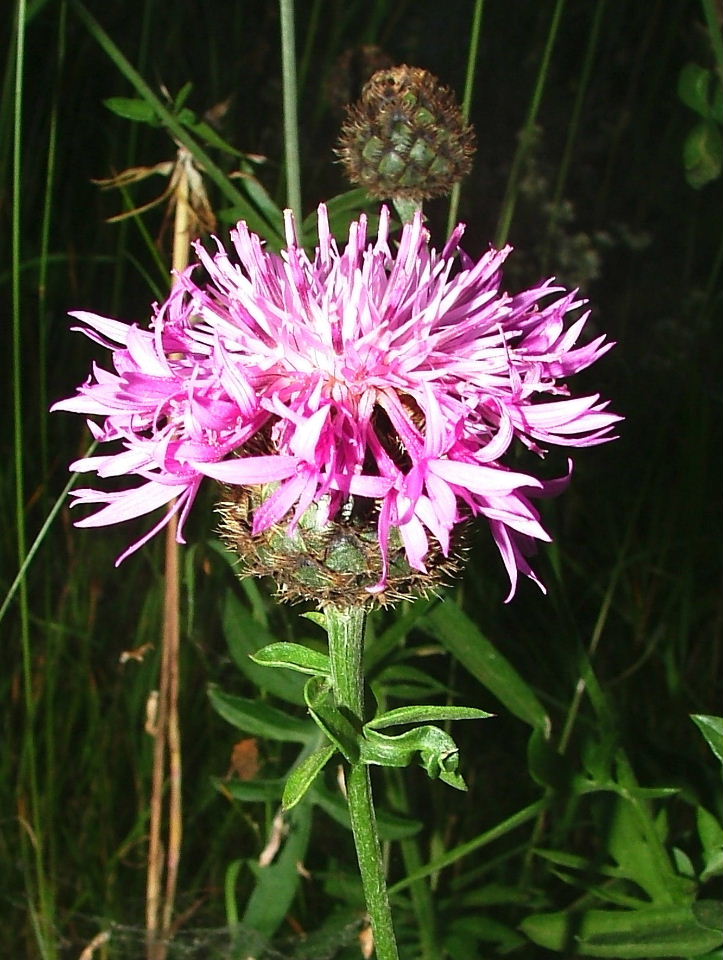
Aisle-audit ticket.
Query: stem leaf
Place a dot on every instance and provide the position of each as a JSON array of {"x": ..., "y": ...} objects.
[
  {"x": 337, "y": 727},
  {"x": 294, "y": 656},
  {"x": 303, "y": 776},
  {"x": 438, "y": 753},
  {"x": 423, "y": 713},
  {"x": 657, "y": 931},
  {"x": 259, "y": 718}
]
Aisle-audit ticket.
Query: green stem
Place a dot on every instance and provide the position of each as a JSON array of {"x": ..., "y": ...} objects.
[
  {"x": 573, "y": 129},
  {"x": 346, "y": 643},
  {"x": 291, "y": 124},
  {"x": 527, "y": 134},
  {"x": 474, "y": 36},
  {"x": 422, "y": 898},
  {"x": 406, "y": 208}
]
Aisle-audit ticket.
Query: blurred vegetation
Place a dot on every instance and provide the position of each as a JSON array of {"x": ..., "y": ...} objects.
[{"x": 593, "y": 185}]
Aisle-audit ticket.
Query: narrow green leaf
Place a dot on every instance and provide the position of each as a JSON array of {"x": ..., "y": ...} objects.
[
  {"x": 250, "y": 791},
  {"x": 245, "y": 636},
  {"x": 207, "y": 133},
  {"x": 424, "y": 713},
  {"x": 460, "y": 636},
  {"x": 183, "y": 95},
  {"x": 665, "y": 931},
  {"x": 259, "y": 718},
  {"x": 693, "y": 88},
  {"x": 710, "y": 832},
  {"x": 337, "y": 727},
  {"x": 131, "y": 108},
  {"x": 303, "y": 776},
  {"x": 392, "y": 826},
  {"x": 295, "y": 657},
  {"x": 712, "y": 730},
  {"x": 276, "y": 885},
  {"x": 703, "y": 154}
]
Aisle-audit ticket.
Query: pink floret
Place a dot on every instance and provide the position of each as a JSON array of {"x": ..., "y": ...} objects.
[{"x": 403, "y": 377}]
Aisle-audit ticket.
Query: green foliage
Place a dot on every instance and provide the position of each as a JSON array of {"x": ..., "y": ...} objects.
[
  {"x": 258, "y": 718},
  {"x": 276, "y": 884},
  {"x": 465, "y": 641},
  {"x": 301, "y": 777},
  {"x": 592, "y": 822},
  {"x": 712, "y": 730},
  {"x": 295, "y": 657},
  {"x": 702, "y": 91},
  {"x": 665, "y": 931}
]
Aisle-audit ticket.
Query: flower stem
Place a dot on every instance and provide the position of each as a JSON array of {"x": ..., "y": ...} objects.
[
  {"x": 346, "y": 642},
  {"x": 291, "y": 125}
]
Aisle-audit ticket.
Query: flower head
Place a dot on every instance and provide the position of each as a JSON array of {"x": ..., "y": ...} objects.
[
  {"x": 406, "y": 137},
  {"x": 368, "y": 397}
]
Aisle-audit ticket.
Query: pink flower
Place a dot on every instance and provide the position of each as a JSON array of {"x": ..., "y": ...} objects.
[{"x": 401, "y": 377}]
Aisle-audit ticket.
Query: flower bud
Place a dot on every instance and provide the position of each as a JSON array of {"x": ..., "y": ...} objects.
[{"x": 406, "y": 137}]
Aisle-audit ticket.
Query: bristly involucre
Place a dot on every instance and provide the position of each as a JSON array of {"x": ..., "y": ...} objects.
[
  {"x": 363, "y": 401},
  {"x": 406, "y": 137}
]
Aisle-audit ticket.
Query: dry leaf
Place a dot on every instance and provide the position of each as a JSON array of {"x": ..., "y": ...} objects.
[
  {"x": 245, "y": 759},
  {"x": 366, "y": 942},
  {"x": 138, "y": 654}
]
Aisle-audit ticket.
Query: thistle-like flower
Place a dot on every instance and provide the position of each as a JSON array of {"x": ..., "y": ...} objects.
[{"x": 356, "y": 407}]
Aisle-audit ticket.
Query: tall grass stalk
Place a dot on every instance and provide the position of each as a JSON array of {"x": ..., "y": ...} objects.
[
  {"x": 39, "y": 888},
  {"x": 421, "y": 894},
  {"x": 291, "y": 118},
  {"x": 527, "y": 133},
  {"x": 119, "y": 276},
  {"x": 53, "y": 651},
  {"x": 159, "y": 908},
  {"x": 573, "y": 127},
  {"x": 454, "y": 855},
  {"x": 45, "y": 241},
  {"x": 473, "y": 50}
]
